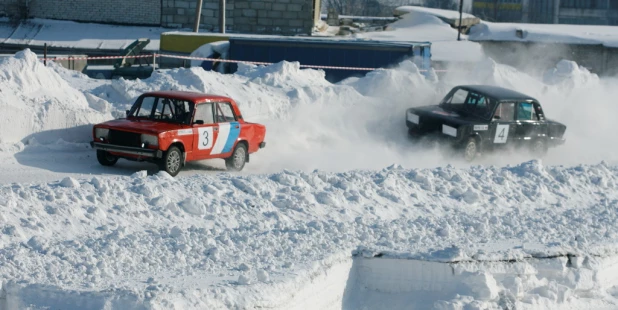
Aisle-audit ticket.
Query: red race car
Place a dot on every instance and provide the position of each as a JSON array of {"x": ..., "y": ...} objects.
[{"x": 170, "y": 128}]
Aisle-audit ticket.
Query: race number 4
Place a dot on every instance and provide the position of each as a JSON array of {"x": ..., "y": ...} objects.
[
  {"x": 205, "y": 138},
  {"x": 502, "y": 133}
]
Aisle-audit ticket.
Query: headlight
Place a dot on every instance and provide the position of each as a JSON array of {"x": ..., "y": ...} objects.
[
  {"x": 101, "y": 133},
  {"x": 150, "y": 140},
  {"x": 413, "y": 118}
]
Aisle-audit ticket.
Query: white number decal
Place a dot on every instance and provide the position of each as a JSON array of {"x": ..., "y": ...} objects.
[
  {"x": 502, "y": 133},
  {"x": 206, "y": 137}
]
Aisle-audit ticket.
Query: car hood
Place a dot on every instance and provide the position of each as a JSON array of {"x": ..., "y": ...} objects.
[
  {"x": 142, "y": 126},
  {"x": 437, "y": 113}
]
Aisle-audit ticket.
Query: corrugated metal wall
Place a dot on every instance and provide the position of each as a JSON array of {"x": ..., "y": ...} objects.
[
  {"x": 498, "y": 10},
  {"x": 541, "y": 11}
]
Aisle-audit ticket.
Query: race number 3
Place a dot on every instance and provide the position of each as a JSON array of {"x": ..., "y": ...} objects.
[
  {"x": 502, "y": 132},
  {"x": 205, "y": 138}
]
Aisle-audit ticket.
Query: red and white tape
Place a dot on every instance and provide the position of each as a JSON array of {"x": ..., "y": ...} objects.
[
  {"x": 97, "y": 57},
  {"x": 214, "y": 60}
]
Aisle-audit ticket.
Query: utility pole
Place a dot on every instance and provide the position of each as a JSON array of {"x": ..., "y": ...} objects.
[
  {"x": 198, "y": 14},
  {"x": 460, "y": 17},
  {"x": 222, "y": 16}
]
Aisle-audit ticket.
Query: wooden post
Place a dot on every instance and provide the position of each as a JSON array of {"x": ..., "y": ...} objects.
[
  {"x": 198, "y": 14},
  {"x": 460, "y": 16},
  {"x": 222, "y": 16}
]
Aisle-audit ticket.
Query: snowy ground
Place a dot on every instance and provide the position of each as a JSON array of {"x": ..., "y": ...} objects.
[{"x": 338, "y": 211}]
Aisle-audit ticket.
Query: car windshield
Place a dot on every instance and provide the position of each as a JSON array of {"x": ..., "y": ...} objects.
[
  {"x": 470, "y": 103},
  {"x": 162, "y": 109}
]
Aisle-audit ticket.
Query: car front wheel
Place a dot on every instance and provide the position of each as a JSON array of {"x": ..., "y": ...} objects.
[
  {"x": 172, "y": 161},
  {"x": 238, "y": 159},
  {"x": 470, "y": 149},
  {"x": 105, "y": 158}
]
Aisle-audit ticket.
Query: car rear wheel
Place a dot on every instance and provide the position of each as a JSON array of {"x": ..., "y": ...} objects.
[
  {"x": 470, "y": 149},
  {"x": 172, "y": 161},
  {"x": 105, "y": 158},
  {"x": 238, "y": 159},
  {"x": 538, "y": 148}
]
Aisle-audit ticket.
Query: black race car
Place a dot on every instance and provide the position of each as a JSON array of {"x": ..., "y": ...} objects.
[{"x": 480, "y": 118}]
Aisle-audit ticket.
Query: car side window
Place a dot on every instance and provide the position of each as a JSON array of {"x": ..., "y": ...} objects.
[
  {"x": 505, "y": 111},
  {"x": 459, "y": 97},
  {"x": 526, "y": 112},
  {"x": 225, "y": 113},
  {"x": 164, "y": 109},
  {"x": 204, "y": 113},
  {"x": 145, "y": 109}
]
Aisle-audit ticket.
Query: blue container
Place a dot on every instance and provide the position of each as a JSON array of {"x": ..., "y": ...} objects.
[{"x": 330, "y": 52}]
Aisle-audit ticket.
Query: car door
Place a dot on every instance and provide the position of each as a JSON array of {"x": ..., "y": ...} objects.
[
  {"x": 229, "y": 129},
  {"x": 502, "y": 126},
  {"x": 529, "y": 126},
  {"x": 205, "y": 130}
]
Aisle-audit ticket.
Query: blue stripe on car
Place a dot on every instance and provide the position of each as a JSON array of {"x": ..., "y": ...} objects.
[{"x": 231, "y": 138}]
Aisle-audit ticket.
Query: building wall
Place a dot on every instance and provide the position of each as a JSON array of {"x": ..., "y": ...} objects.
[
  {"x": 12, "y": 8},
  {"x": 498, "y": 10},
  {"x": 598, "y": 59},
  {"x": 136, "y": 12},
  {"x": 248, "y": 16},
  {"x": 588, "y": 12}
]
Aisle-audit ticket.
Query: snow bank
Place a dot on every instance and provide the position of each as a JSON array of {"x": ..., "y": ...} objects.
[
  {"x": 254, "y": 233},
  {"x": 38, "y": 103},
  {"x": 547, "y": 283}
]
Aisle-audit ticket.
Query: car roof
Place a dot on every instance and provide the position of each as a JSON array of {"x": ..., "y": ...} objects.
[
  {"x": 187, "y": 95},
  {"x": 498, "y": 93}
]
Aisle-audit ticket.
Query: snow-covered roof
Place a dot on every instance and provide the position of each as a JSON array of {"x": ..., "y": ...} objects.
[
  {"x": 447, "y": 14},
  {"x": 545, "y": 33},
  {"x": 68, "y": 34},
  {"x": 423, "y": 24}
]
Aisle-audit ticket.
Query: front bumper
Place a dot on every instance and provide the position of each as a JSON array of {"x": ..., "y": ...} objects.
[
  {"x": 553, "y": 141},
  {"x": 127, "y": 149}
]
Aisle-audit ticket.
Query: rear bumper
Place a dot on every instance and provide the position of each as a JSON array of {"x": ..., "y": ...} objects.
[{"x": 127, "y": 150}]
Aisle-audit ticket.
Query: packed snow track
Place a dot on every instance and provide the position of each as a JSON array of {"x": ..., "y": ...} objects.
[{"x": 338, "y": 211}]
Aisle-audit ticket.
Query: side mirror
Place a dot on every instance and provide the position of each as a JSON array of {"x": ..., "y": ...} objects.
[
  {"x": 126, "y": 112},
  {"x": 199, "y": 122}
]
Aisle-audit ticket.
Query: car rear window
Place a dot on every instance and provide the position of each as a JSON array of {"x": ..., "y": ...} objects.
[{"x": 225, "y": 113}]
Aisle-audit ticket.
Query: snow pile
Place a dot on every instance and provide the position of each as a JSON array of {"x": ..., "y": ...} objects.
[
  {"x": 286, "y": 75},
  {"x": 38, "y": 103},
  {"x": 568, "y": 75},
  {"x": 250, "y": 234}
]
